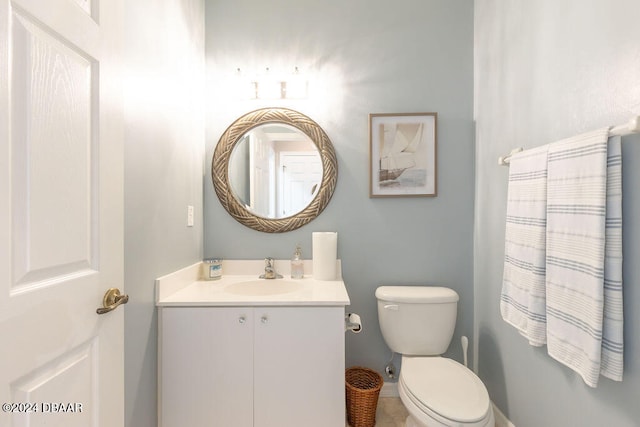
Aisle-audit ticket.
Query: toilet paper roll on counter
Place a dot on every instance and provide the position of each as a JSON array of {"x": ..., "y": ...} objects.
[
  {"x": 325, "y": 255},
  {"x": 352, "y": 323}
]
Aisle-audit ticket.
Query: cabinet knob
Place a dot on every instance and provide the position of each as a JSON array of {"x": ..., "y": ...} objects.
[
  {"x": 264, "y": 319},
  {"x": 242, "y": 319}
]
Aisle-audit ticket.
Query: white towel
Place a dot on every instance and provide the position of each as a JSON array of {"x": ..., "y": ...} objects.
[
  {"x": 575, "y": 259},
  {"x": 522, "y": 302},
  {"x": 612, "y": 337}
]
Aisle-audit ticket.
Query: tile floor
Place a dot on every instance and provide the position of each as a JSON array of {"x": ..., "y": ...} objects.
[{"x": 390, "y": 412}]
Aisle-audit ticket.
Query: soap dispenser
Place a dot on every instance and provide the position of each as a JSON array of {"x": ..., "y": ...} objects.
[{"x": 297, "y": 265}]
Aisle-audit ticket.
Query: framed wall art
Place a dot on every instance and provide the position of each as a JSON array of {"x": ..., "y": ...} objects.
[{"x": 402, "y": 151}]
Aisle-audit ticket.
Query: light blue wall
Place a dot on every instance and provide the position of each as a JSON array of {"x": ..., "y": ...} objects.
[
  {"x": 364, "y": 56},
  {"x": 534, "y": 82},
  {"x": 545, "y": 70},
  {"x": 164, "y": 150}
]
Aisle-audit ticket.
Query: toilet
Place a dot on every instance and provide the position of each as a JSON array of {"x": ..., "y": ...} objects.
[{"x": 418, "y": 322}]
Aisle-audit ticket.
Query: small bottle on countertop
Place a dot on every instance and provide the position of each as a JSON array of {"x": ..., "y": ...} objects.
[
  {"x": 212, "y": 269},
  {"x": 297, "y": 264}
]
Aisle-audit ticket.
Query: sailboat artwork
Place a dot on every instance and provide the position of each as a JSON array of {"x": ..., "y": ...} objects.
[
  {"x": 403, "y": 152},
  {"x": 398, "y": 149}
]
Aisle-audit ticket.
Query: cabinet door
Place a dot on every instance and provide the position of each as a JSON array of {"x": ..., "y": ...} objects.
[
  {"x": 206, "y": 367},
  {"x": 299, "y": 367}
]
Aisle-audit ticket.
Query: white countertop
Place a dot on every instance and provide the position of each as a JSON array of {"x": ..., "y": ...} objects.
[{"x": 185, "y": 288}]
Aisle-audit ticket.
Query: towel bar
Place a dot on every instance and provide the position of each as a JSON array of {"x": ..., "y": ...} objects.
[{"x": 632, "y": 126}]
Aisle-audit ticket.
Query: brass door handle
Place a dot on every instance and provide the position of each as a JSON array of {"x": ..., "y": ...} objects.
[{"x": 112, "y": 299}]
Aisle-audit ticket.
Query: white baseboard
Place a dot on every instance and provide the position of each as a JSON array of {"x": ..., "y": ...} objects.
[
  {"x": 501, "y": 419},
  {"x": 389, "y": 390}
]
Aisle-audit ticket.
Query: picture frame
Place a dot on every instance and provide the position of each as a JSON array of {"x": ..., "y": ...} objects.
[{"x": 403, "y": 155}]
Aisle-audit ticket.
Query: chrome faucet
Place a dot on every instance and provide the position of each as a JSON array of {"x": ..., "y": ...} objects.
[{"x": 269, "y": 270}]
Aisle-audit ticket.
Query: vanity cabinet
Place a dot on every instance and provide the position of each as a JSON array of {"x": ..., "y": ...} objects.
[{"x": 251, "y": 366}]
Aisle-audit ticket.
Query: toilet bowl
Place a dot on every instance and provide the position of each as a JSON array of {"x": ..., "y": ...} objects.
[
  {"x": 418, "y": 322},
  {"x": 440, "y": 392}
]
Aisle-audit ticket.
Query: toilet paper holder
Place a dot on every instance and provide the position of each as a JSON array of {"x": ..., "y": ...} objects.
[{"x": 352, "y": 323}]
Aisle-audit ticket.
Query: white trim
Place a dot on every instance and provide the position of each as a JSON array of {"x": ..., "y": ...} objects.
[
  {"x": 501, "y": 419},
  {"x": 389, "y": 390}
]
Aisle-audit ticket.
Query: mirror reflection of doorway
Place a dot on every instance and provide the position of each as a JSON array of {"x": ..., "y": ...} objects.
[
  {"x": 275, "y": 171},
  {"x": 300, "y": 177}
]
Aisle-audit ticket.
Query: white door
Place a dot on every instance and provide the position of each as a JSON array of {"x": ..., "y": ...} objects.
[
  {"x": 300, "y": 178},
  {"x": 262, "y": 177},
  {"x": 61, "y": 202}
]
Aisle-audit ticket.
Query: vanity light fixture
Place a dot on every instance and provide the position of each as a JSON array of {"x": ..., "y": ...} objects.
[
  {"x": 296, "y": 86},
  {"x": 270, "y": 85},
  {"x": 243, "y": 87}
]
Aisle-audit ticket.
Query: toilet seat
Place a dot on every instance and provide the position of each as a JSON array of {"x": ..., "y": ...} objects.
[{"x": 445, "y": 390}]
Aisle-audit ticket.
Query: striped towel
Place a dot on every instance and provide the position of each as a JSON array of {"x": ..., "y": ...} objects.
[
  {"x": 611, "y": 363},
  {"x": 522, "y": 302},
  {"x": 584, "y": 323}
]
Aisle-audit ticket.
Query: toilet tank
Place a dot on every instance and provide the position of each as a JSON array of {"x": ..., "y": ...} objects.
[{"x": 417, "y": 320}]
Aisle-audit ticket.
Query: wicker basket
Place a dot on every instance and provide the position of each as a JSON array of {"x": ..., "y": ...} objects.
[{"x": 362, "y": 388}]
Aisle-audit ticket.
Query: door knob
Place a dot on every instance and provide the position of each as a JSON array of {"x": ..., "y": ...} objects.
[{"x": 112, "y": 299}]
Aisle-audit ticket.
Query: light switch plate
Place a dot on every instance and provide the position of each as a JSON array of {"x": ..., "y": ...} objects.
[{"x": 189, "y": 216}]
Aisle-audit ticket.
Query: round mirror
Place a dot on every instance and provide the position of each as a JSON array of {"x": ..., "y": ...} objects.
[{"x": 274, "y": 170}]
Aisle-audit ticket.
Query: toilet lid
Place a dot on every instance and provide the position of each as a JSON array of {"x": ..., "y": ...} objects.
[{"x": 445, "y": 387}]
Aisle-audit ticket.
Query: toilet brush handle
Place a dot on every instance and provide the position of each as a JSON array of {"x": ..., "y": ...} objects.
[{"x": 465, "y": 347}]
